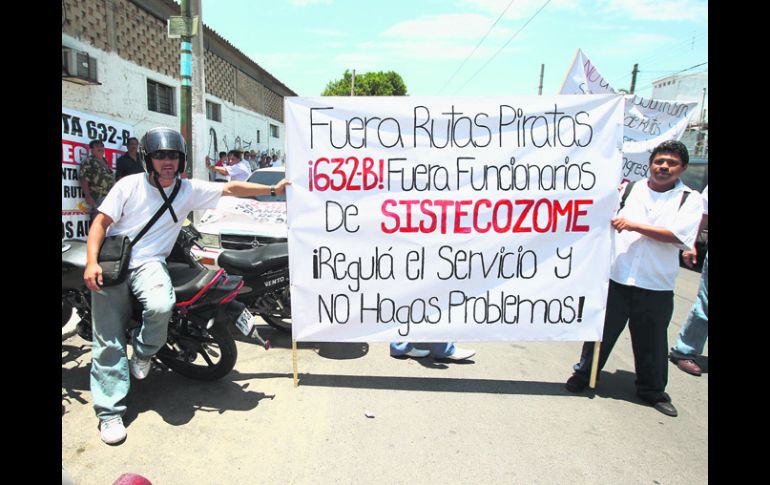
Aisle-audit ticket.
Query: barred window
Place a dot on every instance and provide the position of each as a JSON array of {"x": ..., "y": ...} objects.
[
  {"x": 160, "y": 98},
  {"x": 274, "y": 131},
  {"x": 213, "y": 111}
]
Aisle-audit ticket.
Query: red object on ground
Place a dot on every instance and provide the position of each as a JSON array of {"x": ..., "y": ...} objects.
[{"x": 131, "y": 479}]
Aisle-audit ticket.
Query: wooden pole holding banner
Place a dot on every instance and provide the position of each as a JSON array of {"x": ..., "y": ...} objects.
[
  {"x": 594, "y": 365},
  {"x": 294, "y": 359}
]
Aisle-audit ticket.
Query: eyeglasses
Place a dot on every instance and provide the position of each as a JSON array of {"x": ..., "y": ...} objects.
[{"x": 165, "y": 154}]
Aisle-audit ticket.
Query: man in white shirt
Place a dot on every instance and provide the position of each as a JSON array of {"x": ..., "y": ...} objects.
[
  {"x": 126, "y": 209},
  {"x": 657, "y": 217},
  {"x": 236, "y": 169}
]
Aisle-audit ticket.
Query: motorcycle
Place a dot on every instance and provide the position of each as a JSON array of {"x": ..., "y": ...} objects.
[
  {"x": 265, "y": 271},
  {"x": 199, "y": 344}
]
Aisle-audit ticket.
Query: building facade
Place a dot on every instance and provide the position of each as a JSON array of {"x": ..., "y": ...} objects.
[
  {"x": 119, "y": 66},
  {"x": 137, "y": 71}
]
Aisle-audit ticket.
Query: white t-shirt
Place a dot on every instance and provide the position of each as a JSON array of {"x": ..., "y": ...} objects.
[
  {"x": 705, "y": 196},
  {"x": 132, "y": 202},
  {"x": 239, "y": 171},
  {"x": 642, "y": 261}
]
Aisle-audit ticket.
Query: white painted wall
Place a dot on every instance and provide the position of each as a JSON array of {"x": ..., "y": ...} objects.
[{"x": 122, "y": 96}]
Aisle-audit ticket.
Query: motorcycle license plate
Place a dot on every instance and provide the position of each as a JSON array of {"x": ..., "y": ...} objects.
[{"x": 246, "y": 322}]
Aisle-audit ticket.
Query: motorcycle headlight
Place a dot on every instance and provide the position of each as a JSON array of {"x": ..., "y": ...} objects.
[{"x": 210, "y": 240}]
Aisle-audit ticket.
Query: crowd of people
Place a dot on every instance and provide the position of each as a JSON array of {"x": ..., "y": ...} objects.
[{"x": 656, "y": 217}]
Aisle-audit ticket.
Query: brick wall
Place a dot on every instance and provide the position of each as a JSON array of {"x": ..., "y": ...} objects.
[{"x": 220, "y": 77}]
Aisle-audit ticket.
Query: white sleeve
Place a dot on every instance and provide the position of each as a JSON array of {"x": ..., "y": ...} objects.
[
  {"x": 207, "y": 193},
  {"x": 705, "y": 196},
  {"x": 688, "y": 217},
  {"x": 116, "y": 198}
]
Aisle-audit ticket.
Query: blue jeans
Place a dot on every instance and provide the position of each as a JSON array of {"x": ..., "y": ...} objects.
[
  {"x": 111, "y": 312},
  {"x": 438, "y": 350},
  {"x": 692, "y": 337}
]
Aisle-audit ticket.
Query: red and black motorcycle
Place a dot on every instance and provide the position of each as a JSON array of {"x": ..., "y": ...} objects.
[{"x": 199, "y": 344}]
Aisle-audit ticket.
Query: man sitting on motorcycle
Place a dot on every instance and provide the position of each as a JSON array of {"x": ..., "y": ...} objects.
[{"x": 126, "y": 209}]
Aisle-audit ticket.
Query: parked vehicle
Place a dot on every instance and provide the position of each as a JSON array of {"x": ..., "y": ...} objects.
[
  {"x": 244, "y": 222},
  {"x": 247, "y": 237},
  {"x": 199, "y": 344},
  {"x": 697, "y": 177}
]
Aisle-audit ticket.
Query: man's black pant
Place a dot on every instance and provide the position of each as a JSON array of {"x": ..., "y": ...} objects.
[{"x": 648, "y": 314}]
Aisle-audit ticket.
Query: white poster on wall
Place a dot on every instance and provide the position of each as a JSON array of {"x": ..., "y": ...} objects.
[
  {"x": 77, "y": 130},
  {"x": 451, "y": 219}
]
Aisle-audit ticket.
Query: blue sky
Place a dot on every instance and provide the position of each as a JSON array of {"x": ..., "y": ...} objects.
[{"x": 307, "y": 43}]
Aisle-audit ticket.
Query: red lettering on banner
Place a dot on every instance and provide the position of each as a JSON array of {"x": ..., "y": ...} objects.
[{"x": 543, "y": 215}]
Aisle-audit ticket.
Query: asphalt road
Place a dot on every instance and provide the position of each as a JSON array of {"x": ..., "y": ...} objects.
[{"x": 360, "y": 416}]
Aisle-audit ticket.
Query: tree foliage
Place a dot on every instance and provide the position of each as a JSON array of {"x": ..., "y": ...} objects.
[{"x": 369, "y": 84}]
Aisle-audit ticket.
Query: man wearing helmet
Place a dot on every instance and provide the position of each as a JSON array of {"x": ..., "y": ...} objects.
[{"x": 126, "y": 209}]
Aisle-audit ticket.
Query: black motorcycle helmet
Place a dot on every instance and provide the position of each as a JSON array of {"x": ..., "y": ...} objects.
[{"x": 163, "y": 138}]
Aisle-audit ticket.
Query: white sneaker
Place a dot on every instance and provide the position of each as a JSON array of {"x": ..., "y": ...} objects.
[
  {"x": 139, "y": 367},
  {"x": 112, "y": 430},
  {"x": 417, "y": 353},
  {"x": 461, "y": 354}
]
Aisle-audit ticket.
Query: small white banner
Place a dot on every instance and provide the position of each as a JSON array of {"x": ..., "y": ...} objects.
[
  {"x": 451, "y": 219},
  {"x": 646, "y": 122}
]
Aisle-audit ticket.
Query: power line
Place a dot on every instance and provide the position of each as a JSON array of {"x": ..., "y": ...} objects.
[
  {"x": 506, "y": 44},
  {"x": 477, "y": 46},
  {"x": 674, "y": 50},
  {"x": 677, "y": 72}
]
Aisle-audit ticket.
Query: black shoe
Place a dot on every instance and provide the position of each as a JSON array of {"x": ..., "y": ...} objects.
[
  {"x": 576, "y": 383},
  {"x": 666, "y": 408}
]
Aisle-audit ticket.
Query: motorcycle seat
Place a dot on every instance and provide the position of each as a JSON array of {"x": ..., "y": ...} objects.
[
  {"x": 258, "y": 260},
  {"x": 188, "y": 281}
]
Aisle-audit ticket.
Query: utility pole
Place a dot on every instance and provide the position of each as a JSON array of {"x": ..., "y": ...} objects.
[
  {"x": 633, "y": 78},
  {"x": 185, "y": 67},
  {"x": 353, "y": 84},
  {"x": 540, "y": 88},
  {"x": 197, "y": 149}
]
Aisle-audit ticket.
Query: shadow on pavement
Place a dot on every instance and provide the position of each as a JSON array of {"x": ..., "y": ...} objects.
[
  {"x": 328, "y": 350},
  {"x": 432, "y": 384},
  {"x": 176, "y": 398}
]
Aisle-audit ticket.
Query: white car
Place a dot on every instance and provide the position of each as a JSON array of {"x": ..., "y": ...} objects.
[{"x": 244, "y": 222}]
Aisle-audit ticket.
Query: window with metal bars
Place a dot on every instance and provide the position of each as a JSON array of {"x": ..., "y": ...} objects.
[{"x": 160, "y": 98}]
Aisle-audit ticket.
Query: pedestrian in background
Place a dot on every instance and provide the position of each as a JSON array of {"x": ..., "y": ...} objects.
[{"x": 692, "y": 337}]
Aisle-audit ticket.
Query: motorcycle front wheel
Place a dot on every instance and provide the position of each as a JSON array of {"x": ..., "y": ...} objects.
[{"x": 205, "y": 355}]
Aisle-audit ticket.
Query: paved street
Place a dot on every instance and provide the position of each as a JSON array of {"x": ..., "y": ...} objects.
[{"x": 504, "y": 418}]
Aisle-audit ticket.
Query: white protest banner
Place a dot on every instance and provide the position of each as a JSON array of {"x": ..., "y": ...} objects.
[
  {"x": 451, "y": 219},
  {"x": 647, "y": 122},
  {"x": 77, "y": 130}
]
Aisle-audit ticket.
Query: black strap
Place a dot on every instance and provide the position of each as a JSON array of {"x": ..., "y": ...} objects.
[
  {"x": 685, "y": 194},
  {"x": 163, "y": 195},
  {"x": 166, "y": 205}
]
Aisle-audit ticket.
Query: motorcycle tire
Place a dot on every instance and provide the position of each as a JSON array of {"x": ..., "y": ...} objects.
[
  {"x": 279, "y": 316},
  {"x": 66, "y": 312},
  {"x": 202, "y": 367}
]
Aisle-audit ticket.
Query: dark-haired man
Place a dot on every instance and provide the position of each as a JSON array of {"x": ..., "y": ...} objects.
[
  {"x": 95, "y": 176},
  {"x": 236, "y": 169},
  {"x": 128, "y": 207},
  {"x": 129, "y": 163},
  {"x": 657, "y": 216}
]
